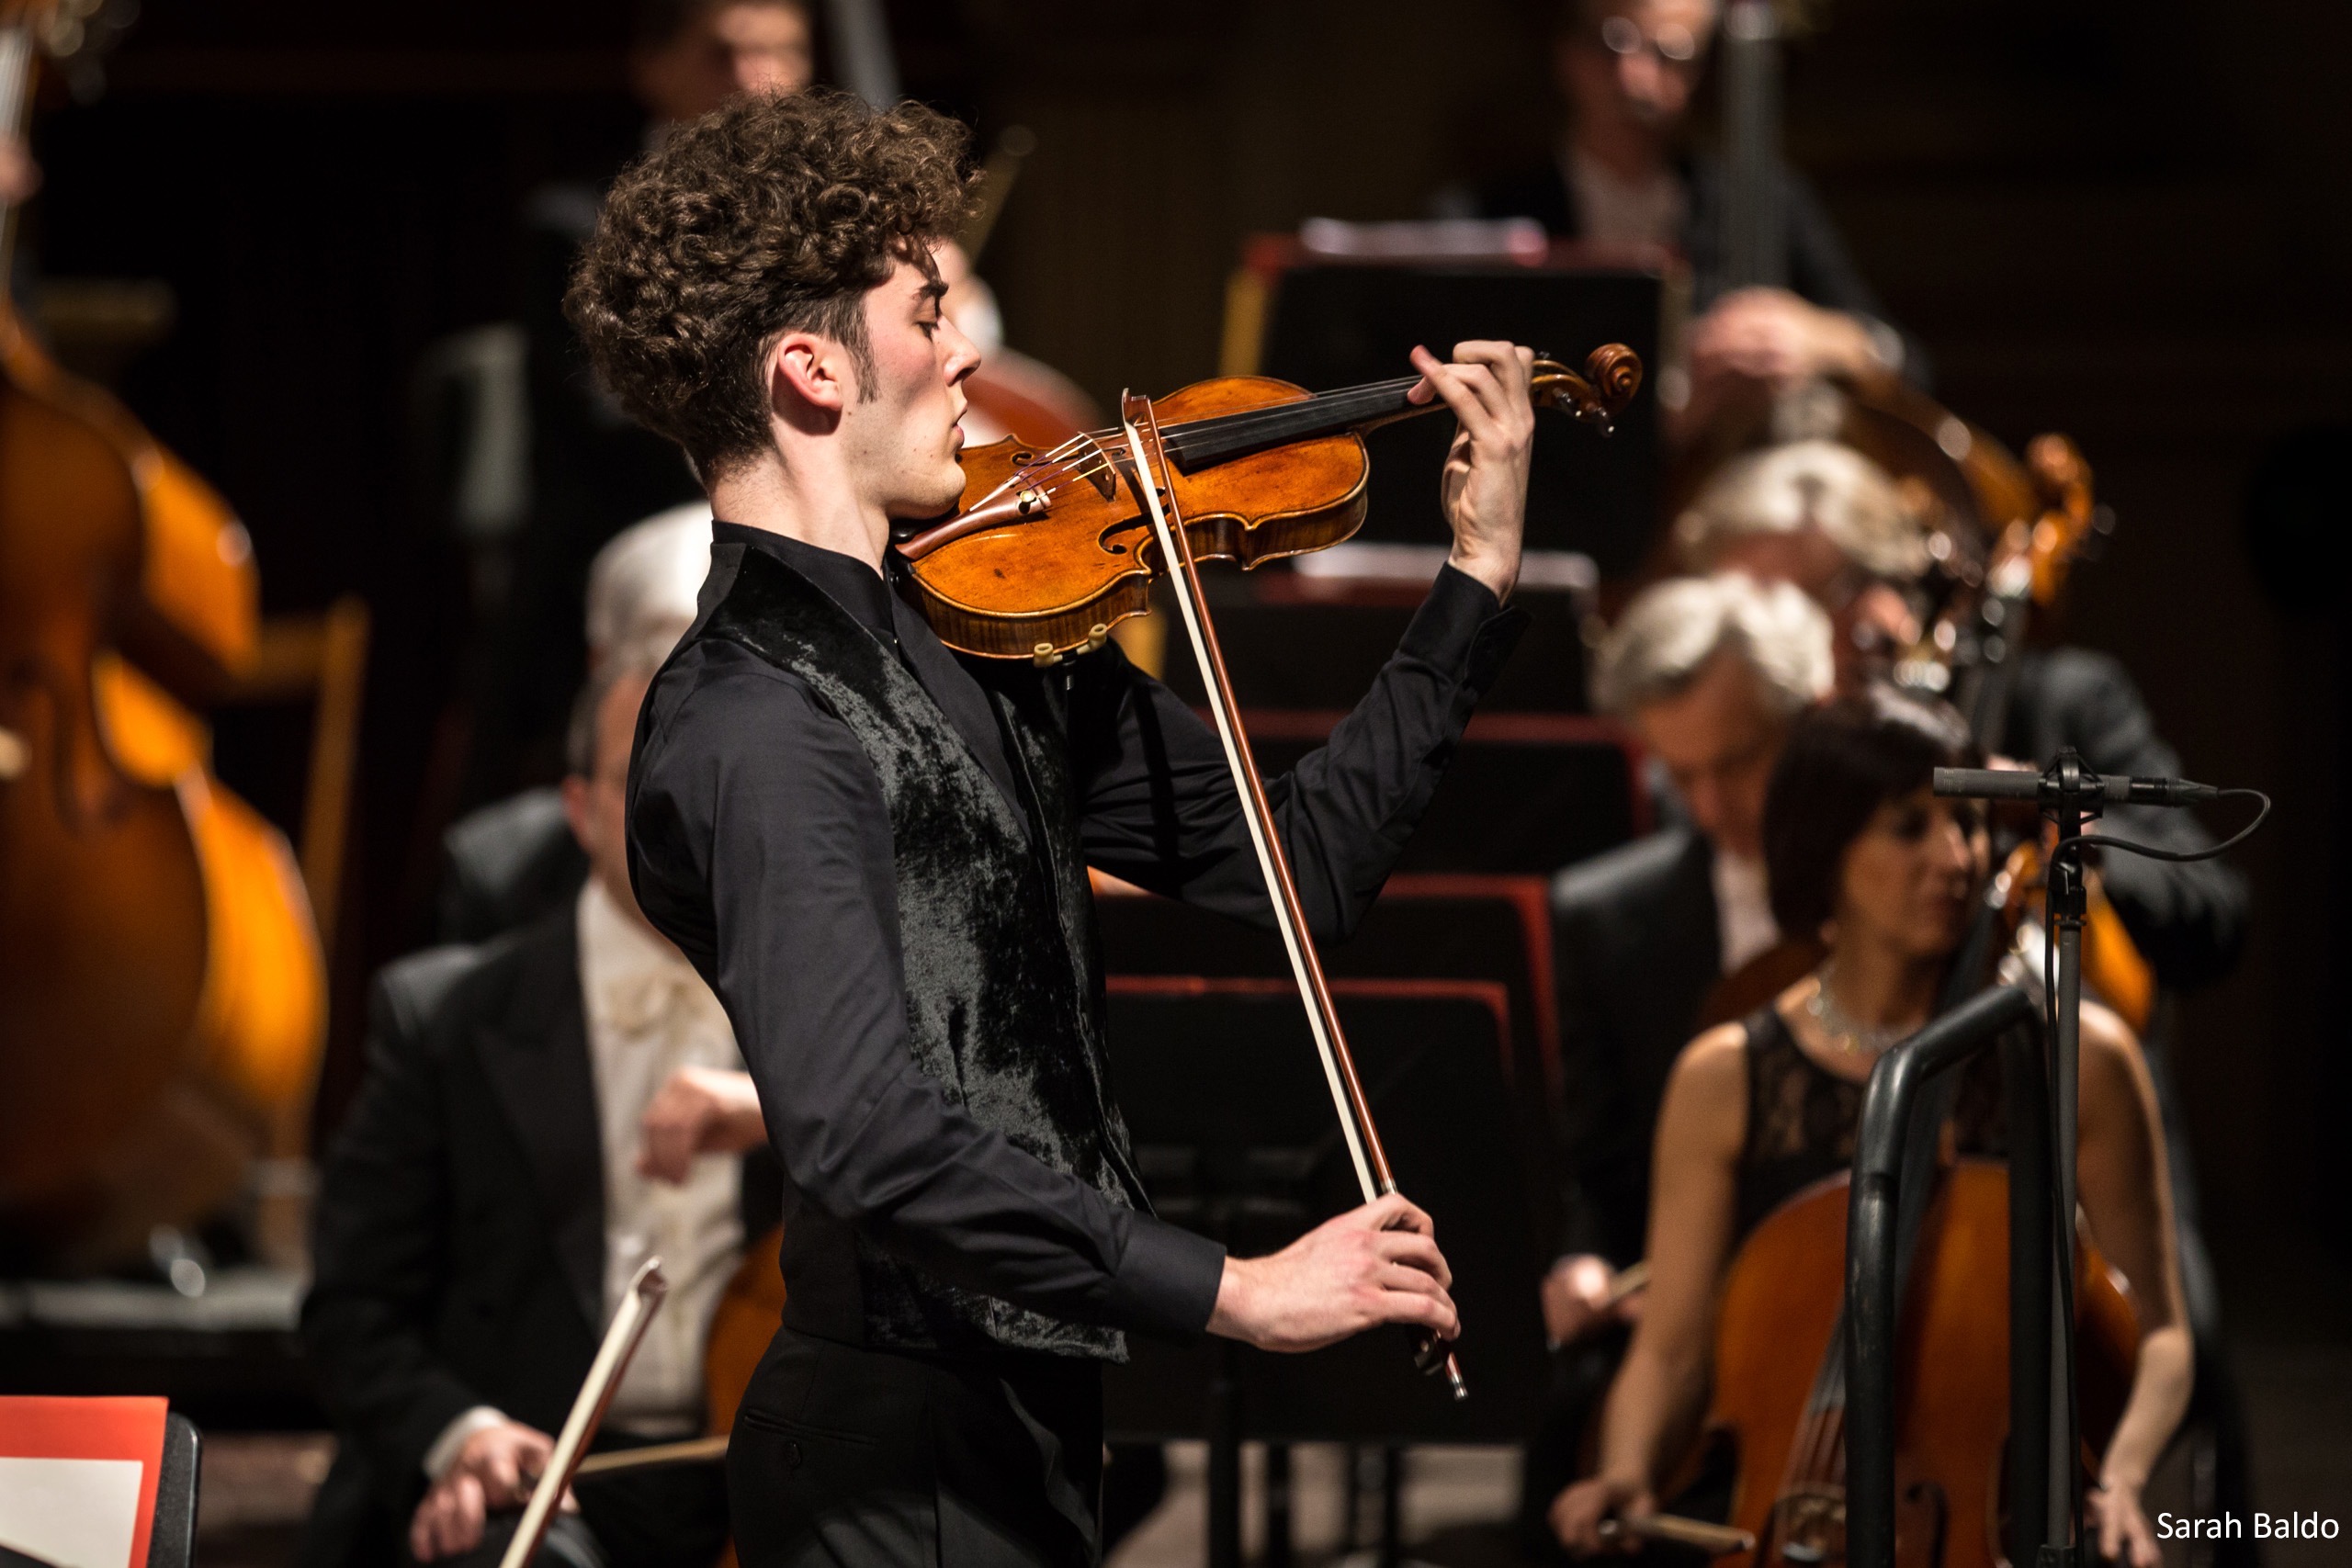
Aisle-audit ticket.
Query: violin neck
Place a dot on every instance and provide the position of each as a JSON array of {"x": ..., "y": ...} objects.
[{"x": 1205, "y": 442}]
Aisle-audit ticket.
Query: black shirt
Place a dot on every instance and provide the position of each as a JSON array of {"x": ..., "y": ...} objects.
[{"x": 759, "y": 843}]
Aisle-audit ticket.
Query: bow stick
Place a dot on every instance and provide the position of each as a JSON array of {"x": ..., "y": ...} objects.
[
  {"x": 639, "y": 1303},
  {"x": 1371, "y": 1161}
]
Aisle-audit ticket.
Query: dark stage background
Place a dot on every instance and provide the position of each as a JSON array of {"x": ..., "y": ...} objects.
[{"x": 2123, "y": 219}]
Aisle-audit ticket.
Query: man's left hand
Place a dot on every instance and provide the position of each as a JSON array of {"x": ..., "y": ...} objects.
[
  {"x": 701, "y": 1111},
  {"x": 1484, "y": 487},
  {"x": 1772, "y": 336}
]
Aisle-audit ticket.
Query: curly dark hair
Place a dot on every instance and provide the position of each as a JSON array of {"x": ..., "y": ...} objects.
[
  {"x": 768, "y": 215},
  {"x": 1842, "y": 762}
]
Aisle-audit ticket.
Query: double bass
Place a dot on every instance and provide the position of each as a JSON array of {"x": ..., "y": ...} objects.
[{"x": 161, "y": 987}]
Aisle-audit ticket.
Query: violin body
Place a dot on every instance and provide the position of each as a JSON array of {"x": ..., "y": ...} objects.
[
  {"x": 161, "y": 990},
  {"x": 1060, "y": 577},
  {"x": 1781, "y": 1303}
]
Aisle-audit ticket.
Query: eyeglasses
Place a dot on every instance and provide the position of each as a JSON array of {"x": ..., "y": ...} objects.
[{"x": 1673, "y": 43}]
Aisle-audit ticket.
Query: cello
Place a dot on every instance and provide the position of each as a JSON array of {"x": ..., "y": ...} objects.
[
  {"x": 161, "y": 987},
  {"x": 1785, "y": 1414}
]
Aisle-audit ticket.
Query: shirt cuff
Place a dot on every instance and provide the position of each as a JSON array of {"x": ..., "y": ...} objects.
[
  {"x": 1462, "y": 629},
  {"x": 1168, "y": 1280},
  {"x": 456, "y": 1435}
]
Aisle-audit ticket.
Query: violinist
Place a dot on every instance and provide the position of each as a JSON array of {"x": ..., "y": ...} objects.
[
  {"x": 539, "y": 1114},
  {"x": 1756, "y": 1112},
  {"x": 1621, "y": 174},
  {"x": 875, "y": 850}
]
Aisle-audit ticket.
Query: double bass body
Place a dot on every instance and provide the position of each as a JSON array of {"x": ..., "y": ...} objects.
[{"x": 161, "y": 990}]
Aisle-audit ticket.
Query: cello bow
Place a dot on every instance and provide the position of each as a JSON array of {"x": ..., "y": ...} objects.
[
  {"x": 622, "y": 1336},
  {"x": 1373, "y": 1176}
]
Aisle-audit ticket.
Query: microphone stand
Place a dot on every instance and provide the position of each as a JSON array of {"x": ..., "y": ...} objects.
[
  {"x": 2068, "y": 803},
  {"x": 2070, "y": 795}
]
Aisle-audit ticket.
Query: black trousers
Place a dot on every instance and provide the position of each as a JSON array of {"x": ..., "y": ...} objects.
[{"x": 859, "y": 1458}]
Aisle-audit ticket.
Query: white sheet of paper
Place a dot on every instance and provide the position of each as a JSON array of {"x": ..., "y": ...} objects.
[{"x": 75, "y": 1512}]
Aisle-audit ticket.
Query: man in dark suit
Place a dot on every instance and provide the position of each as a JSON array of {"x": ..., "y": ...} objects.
[
  {"x": 1708, "y": 672},
  {"x": 1622, "y": 174},
  {"x": 506, "y": 864},
  {"x": 532, "y": 1124}
]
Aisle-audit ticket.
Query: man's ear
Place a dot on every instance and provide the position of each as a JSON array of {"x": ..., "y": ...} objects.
[
  {"x": 575, "y": 810},
  {"x": 808, "y": 374}
]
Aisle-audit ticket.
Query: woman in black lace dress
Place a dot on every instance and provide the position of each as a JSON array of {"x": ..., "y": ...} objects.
[{"x": 1856, "y": 848}]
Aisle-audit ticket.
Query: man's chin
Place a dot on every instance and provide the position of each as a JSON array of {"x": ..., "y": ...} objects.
[{"x": 938, "y": 501}]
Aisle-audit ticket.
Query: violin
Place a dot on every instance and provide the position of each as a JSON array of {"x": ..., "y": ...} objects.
[
  {"x": 161, "y": 987},
  {"x": 1049, "y": 550}
]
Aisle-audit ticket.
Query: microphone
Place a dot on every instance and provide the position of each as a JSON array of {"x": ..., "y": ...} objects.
[{"x": 2002, "y": 783}]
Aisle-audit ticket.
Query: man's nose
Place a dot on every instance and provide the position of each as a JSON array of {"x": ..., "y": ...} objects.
[
  {"x": 1637, "y": 76},
  {"x": 963, "y": 353}
]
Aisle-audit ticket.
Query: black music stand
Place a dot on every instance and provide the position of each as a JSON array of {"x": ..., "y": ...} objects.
[
  {"x": 1496, "y": 929},
  {"x": 1300, "y": 643},
  {"x": 1523, "y": 795},
  {"x": 1336, "y": 323},
  {"x": 1233, "y": 1134}
]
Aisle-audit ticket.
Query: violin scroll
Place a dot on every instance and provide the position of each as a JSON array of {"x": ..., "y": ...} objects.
[{"x": 1612, "y": 375}]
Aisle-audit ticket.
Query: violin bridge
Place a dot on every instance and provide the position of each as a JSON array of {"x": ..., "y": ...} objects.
[{"x": 1096, "y": 466}]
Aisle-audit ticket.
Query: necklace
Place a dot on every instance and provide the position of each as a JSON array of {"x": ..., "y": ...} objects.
[{"x": 1844, "y": 1034}]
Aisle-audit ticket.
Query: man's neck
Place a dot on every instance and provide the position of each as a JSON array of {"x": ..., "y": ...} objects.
[
  {"x": 767, "y": 495},
  {"x": 1629, "y": 153}
]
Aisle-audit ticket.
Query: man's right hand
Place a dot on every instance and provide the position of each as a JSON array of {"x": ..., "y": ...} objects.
[
  {"x": 495, "y": 1469},
  {"x": 1371, "y": 1266}
]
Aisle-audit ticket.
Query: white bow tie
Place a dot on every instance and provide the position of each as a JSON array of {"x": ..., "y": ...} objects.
[{"x": 665, "y": 1002}]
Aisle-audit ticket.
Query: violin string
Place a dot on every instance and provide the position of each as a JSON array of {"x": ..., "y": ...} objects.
[
  {"x": 1272, "y": 425},
  {"x": 1242, "y": 425}
]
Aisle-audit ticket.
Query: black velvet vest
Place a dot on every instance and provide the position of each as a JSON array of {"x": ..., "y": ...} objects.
[{"x": 995, "y": 933}]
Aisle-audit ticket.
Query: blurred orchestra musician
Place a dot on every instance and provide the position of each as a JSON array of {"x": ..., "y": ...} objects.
[
  {"x": 1708, "y": 672},
  {"x": 506, "y": 864},
  {"x": 1757, "y": 1111},
  {"x": 592, "y": 471},
  {"x": 1822, "y": 517},
  {"x": 1825, "y": 519},
  {"x": 540, "y": 1113},
  {"x": 1622, "y": 173}
]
